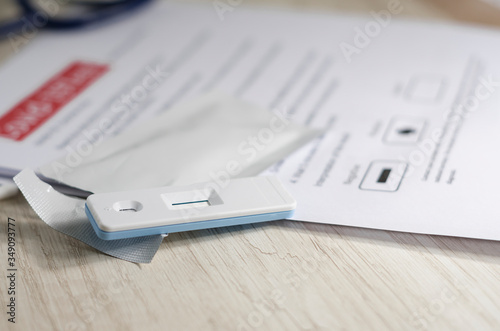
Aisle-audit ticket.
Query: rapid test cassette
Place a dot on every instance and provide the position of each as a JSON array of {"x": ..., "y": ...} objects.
[{"x": 171, "y": 209}]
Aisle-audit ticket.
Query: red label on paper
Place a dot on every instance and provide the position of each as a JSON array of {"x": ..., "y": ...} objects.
[{"x": 48, "y": 99}]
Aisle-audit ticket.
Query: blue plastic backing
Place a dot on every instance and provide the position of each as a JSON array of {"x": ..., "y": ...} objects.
[{"x": 186, "y": 226}]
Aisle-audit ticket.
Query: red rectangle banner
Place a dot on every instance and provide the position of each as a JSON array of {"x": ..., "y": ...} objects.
[{"x": 48, "y": 99}]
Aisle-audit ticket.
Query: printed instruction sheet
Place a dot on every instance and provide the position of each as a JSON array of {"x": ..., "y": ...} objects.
[{"x": 411, "y": 108}]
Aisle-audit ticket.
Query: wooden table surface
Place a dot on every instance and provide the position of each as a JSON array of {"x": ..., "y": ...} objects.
[{"x": 278, "y": 276}]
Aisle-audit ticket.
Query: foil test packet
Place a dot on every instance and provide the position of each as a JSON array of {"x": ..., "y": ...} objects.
[{"x": 213, "y": 138}]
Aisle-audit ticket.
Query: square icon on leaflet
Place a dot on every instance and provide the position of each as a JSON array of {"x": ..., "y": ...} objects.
[
  {"x": 384, "y": 176},
  {"x": 405, "y": 130},
  {"x": 428, "y": 89}
]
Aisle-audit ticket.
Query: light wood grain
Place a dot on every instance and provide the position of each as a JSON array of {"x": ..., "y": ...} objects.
[{"x": 279, "y": 276}]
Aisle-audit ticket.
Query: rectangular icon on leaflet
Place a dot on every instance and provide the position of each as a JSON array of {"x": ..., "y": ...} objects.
[{"x": 384, "y": 176}]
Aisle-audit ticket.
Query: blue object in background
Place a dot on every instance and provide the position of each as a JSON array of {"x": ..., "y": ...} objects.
[{"x": 96, "y": 11}]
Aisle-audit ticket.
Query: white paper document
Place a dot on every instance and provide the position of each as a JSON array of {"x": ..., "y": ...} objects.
[{"x": 411, "y": 109}]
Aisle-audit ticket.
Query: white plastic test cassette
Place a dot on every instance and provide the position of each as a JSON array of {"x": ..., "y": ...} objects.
[{"x": 200, "y": 206}]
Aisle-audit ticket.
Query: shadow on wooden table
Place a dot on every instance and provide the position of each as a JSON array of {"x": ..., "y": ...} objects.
[
  {"x": 48, "y": 246},
  {"x": 477, "y": 249}
]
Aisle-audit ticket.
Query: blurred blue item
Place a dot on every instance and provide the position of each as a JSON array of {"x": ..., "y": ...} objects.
[{"x": 96, "y": 11}]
